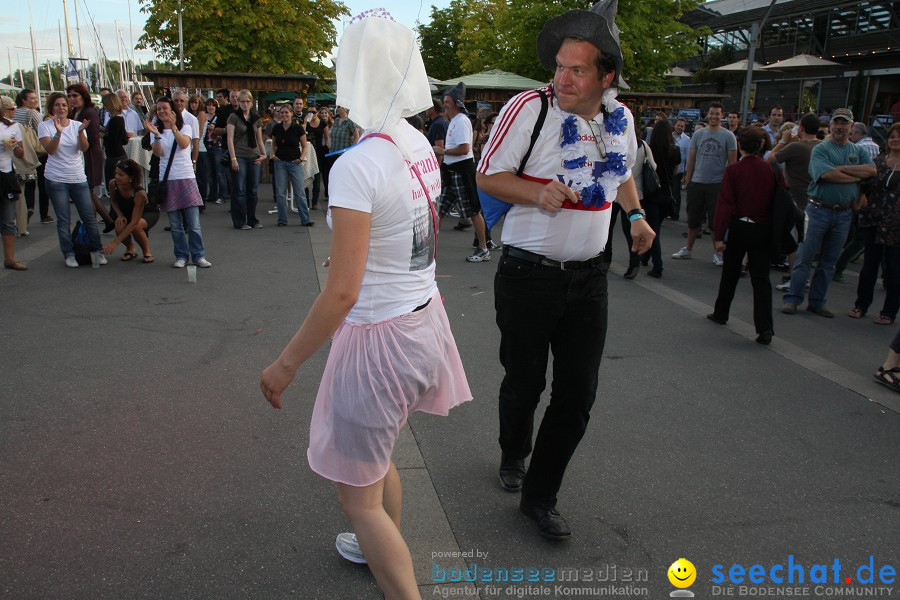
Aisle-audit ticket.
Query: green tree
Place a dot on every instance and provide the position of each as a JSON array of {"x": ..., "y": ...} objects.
[
  {"x": 439, "y": 40},
  {"x": 502, "y": 34},
  {"x": 254, "y": 36}
]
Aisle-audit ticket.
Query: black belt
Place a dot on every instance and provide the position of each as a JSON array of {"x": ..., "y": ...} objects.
[
  {"x": 421, "y": 306},
  {"x": 834, "y": 207},
  {"x": 537, "y": 259}
]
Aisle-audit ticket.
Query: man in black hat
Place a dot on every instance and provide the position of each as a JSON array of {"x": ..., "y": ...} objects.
[
  {"x": 459, "y": 165},
  {"x": 551, "y": 289}
]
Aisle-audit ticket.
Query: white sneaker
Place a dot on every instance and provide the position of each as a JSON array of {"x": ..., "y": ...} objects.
[
  {"x": 717, "y": 259},
  {"x": 348, "y": 547},
  {"x": 71, "y": 262},
  {"x": 103, "y": 260},
  {"x": 480, "y": 255},
  {"x": 783, "y": 287},
  {"x": 179, "y": 264},
  {"x": 202, "y": 262},
  {"x": 683, "y": 253}
]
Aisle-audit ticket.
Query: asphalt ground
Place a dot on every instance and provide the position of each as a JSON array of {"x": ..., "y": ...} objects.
[{"x": 139, "y": 459}]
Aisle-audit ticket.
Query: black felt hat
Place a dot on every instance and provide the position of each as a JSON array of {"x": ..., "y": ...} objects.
[
  {"x": 596, "y": 26},
  {"x": 458, "y": 94}
]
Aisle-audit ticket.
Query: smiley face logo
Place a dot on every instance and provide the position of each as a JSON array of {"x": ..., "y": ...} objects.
[{"x": 682, "y": 573}]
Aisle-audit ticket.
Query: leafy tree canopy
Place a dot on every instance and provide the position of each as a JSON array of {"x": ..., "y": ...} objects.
[
  {"x": 253, "y": 36},
  {"x": 502, "y": 34}
]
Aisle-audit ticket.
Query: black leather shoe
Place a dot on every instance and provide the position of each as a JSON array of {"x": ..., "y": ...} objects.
[
  {"x": 512, "y": 473},
  {"x": 716, "y": 319},
  {"x": 632, "y": 271},
  {"x": 764, "y": 338},
  {"x": 550, "y": 522}
]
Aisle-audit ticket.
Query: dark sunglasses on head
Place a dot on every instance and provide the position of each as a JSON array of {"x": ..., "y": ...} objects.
[{"x": 124, "y": 165}]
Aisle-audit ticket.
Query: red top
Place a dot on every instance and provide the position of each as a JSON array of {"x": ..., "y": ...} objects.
[{"x": 747, "y": 190}]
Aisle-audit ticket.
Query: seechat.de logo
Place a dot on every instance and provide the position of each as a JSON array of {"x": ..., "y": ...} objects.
[{"x": 682, "y": 574}]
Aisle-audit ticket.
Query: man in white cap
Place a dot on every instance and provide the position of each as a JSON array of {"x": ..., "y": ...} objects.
[{"x": 551, "y": 289}]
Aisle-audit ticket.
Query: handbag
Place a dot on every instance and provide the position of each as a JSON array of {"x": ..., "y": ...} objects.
[
  {"x": 649, "y": 178},
  {"x": 157, "y": 192},
  {"x": 28, "y": 164},
  {"x": 9, "y": 185}
]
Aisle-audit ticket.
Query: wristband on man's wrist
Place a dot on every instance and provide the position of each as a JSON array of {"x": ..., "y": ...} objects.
[
  {"x": 56, "y": 137},
  {"x": 635, "y": 214}
]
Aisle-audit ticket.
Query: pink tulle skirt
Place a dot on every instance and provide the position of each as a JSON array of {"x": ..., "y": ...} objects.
[{"x": 375, "y": 376}]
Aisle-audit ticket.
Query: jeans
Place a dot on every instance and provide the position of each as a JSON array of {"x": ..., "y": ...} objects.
[
  {"x": 868, "y": 276},
  {"x": 855, "y": 242},
  {"x": 826, "y": 232},
  {"x": 540, "y": 309},
  {"x": 755, "y": 241},
  {"x": 189, "y": 244},
  {"x": 212, "y": 175},
  {"x": 285, "y": 170},
  {"x": 675, "y": 185},
  {"x": 655, "y": 215},
  {"x": 203, "y": 177},
  {"x": 316, "y": 188},
  {"x": 80, "y": 193},
  {"x": 218, "y": 182},
  {"x": 244, "y": 183}
]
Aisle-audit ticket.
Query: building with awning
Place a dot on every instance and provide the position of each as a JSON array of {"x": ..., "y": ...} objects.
[
  {"x": 861, "y": 37},
  {"x": 494, "y": 86},
  {"x": 258, "y": 83}
]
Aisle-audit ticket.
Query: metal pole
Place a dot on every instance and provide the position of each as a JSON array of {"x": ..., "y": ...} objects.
[
  {"x": 78, "y": 35},
  {"x": 37, "y": 73},
  {"x": 180, "y": 40},
  {"x": 751, "y": 54},
  {"x": 62, "y": 60}
]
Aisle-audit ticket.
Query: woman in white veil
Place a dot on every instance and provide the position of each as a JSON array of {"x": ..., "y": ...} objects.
[{"x": 392, "y": 352}]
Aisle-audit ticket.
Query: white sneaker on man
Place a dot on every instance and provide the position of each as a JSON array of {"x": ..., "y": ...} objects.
[
  {"x": 480, "y": 255},
  {"x": 717, "y": 259},
  {"x": 71, "y": 262},
  {"x": 180, "y": 263},
  {"x": 203, "y": 263},
  {"x": 683, "y": 253}
]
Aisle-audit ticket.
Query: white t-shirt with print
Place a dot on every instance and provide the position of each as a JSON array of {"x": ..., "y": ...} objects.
[
  {"x": 67, "y": 163},
  {"x": 182, "y": 167},
  {"x": 374, "y": 178},
  {"x": 575, "y": 232},
  {"x": 6, "y": 155},
  {"x": 459, "y": 132}
]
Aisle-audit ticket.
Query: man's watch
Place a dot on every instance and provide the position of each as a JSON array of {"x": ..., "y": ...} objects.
[{"x": 636, "y": 213}]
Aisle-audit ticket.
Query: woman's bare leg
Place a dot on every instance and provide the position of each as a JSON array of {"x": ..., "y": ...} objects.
[
  {"x": 379, "y": 536},
  {"x": 140, "y": 236}
]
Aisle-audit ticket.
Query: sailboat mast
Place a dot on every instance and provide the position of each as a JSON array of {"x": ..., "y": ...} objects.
[{"x": 37, "y": 73}]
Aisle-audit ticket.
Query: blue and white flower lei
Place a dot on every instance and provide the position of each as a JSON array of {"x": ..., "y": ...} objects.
[{"x": 603, "y": 190}]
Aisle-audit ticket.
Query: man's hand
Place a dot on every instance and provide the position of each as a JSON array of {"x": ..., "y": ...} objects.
[
  {"x": 720, "y": 246},
  {"x": 553, "y": 195},
  {"x": 642, "y": 236}
]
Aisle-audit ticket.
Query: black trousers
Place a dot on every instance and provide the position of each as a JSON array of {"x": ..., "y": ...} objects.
[
  {"x": 540, "y": 309},
  {"x": 755, "y": 241}
]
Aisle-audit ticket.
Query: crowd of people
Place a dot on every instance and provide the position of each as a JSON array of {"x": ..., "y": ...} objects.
[{"x": 212, "y": 151}]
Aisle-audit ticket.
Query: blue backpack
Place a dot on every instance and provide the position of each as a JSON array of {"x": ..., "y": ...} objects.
[
  {"x": 494, "y": 208},
  {"x": 82, "y": 242}
]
